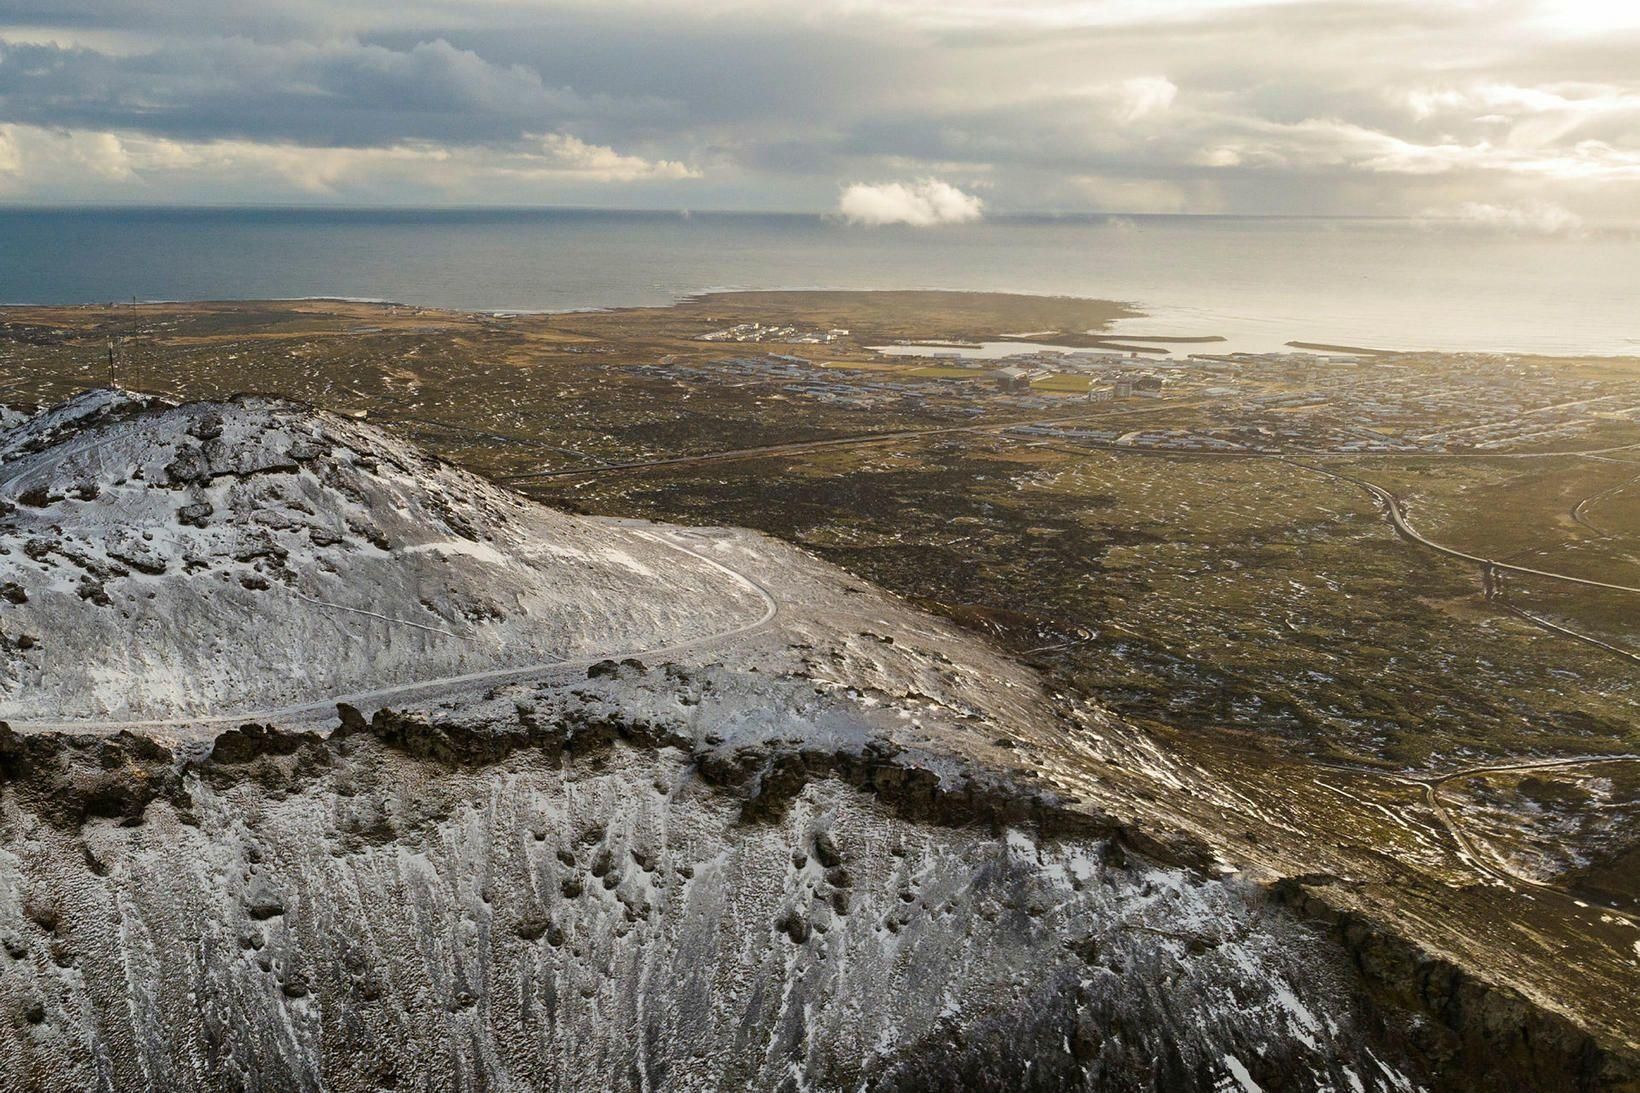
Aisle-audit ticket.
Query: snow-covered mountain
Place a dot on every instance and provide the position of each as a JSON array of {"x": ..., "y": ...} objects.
[
  {"x": 240, "y": 557},
  {"x": 332, "y": 766}
]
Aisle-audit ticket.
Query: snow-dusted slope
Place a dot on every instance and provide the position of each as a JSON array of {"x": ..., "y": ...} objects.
[
  {"x": 167, "y": 561},
  {"x": 351, "y": 915}
]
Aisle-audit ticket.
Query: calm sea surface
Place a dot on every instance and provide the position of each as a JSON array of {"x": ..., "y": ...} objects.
[{"x": 1259, "y": 281}]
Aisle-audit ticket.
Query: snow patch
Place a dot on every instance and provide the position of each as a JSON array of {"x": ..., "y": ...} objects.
[{"x": 1239, "y": 1072}]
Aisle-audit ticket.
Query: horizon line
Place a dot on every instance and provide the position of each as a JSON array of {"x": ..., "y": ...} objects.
[{"x": 679, "y": 211}]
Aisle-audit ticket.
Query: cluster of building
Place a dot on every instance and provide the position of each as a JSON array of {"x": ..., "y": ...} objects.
[
  {"x": 804, "y": 379},
  {"x": 757, "y": 332}
]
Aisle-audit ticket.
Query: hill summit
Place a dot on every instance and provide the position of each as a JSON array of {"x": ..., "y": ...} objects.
[{"x": 165, "y": 561}]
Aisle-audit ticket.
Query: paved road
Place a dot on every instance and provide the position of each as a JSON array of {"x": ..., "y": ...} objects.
[
  {"x": 1431, "y": 785},
  {"x": 1397, "y": 515},
  {"x": 398, "y": 692}
]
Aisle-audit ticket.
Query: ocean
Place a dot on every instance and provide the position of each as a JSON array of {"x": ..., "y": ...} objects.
[{"x": 1258, "y": 281}]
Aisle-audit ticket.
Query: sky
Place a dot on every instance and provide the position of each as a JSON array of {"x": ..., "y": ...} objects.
[{"x": 1523, "y": 114}]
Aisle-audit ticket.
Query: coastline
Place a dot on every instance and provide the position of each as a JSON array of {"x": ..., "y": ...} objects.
[{"x": 1177, "y": 329}]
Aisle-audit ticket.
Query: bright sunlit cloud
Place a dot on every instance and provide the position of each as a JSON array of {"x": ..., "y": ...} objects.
[{"x": 921, "y": 204}]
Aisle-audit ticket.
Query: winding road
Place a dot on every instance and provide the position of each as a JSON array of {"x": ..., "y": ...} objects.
[
  {"x": 1397, "y": 514},
  {"x": 1488, "y": 566},
  {"x": 1470, "y": 848},
  {"x": 1475, "y": 851},
  {"x": 1580, "y": 510}
]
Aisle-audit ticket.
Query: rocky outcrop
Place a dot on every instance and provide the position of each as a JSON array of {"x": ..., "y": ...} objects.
[
  {"x": 68, "y": 781},
  {"x": 1474, "y": 1035}
]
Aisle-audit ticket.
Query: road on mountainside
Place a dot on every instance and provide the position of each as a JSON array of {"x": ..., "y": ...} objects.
[{"x": 327, "y": 705}]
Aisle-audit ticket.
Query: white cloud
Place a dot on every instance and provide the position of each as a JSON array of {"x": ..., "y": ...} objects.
[
  {"x": 1050, "y": 14},
  {"x": 922, "y": 204},
  {"x": 1543, "y": 114},
  {"x": 567, "y": 153},
  {"x": 11, "y": 159},
  {"x": 30, "y": 155},
  {"x": 1333, "y": 143}
]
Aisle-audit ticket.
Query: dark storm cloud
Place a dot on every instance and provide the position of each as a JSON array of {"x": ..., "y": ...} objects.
[{"x": 348, "y": 94}]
